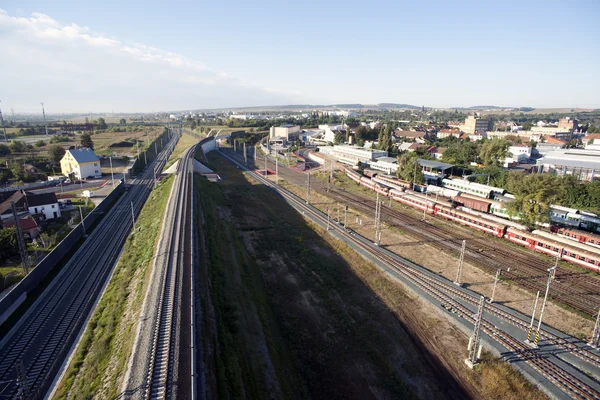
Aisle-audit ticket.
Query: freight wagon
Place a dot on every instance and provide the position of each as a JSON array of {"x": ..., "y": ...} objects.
[{"x": 479, "y": 205}]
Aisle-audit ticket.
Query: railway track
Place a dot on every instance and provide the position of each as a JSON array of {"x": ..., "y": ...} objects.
[
  {"x": 572, "y": 382},
  {"x": 160, "y": 363},
  {"x": 577, "y": 290},
  {"x": 32, "y": 353}
]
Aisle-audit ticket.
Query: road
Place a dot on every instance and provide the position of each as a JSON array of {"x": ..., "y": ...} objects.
[{"x": 32, "y": 353}]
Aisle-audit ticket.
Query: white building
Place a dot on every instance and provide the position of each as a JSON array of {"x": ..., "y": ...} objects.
[
  {"x": 387, "y": 165},
  {"x": 44, "y": 204},
  {"x": 519, "y": 153},
  {"x": 353, "y": 155},
  {"x": 287, "y": 131},
  {"x": 578, "y": 162}
]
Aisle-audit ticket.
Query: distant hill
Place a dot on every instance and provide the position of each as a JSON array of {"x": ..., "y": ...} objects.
[{"x": 396, "y": 105}]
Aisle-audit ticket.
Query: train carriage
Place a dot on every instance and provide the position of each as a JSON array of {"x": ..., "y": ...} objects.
[
  {"x": 352, "y": 175},
  {"x": 473, "y": 221},
  {"x": 398, "y": 182},
  {"x": 582, "y": 237},
  {"x": 413, "y": 201},
  {"x": 388, "y": 184},
  {"x": 369, "y": 184},
  {"x": 470, "y": 202},
  {"x": 546, "y": 243},
  {"x": 494, "y": 219}
]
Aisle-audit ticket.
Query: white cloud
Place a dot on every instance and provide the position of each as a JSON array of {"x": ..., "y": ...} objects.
[{"x": 79, "y": 69}]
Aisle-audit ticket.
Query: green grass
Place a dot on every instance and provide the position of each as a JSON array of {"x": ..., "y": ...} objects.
[
  {"x": 185, "y": 142},
  {"x": 100, "y": 361}
]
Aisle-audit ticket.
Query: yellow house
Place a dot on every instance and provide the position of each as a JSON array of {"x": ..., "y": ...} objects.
[{"x": 81, "y": 163}]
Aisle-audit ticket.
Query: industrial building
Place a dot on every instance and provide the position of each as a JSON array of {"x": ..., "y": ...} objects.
[
  {"x": 475, "y": 125},
  {"x": 387, "y": 165},
  {"x": 580, "y": 163},
  {"x": 287, "y": 132},
  {"x": 352, "y": 155}
]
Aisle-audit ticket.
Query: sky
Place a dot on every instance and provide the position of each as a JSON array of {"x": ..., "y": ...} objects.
[{"x": 145, "y": 56}]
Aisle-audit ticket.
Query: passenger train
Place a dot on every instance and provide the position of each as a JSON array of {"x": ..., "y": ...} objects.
[{"x": 581, "y": 254}]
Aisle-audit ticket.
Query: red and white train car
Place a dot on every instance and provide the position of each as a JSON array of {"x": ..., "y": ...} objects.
[
  {"x": 413, "y": 201},
  {"x": 580, "y": 236},
  {"x": 473, "y": 221},
  {"x": 547, "y": 243},
  {"x": 352, "y": 175},
  {"x": 369, "y": 184}
]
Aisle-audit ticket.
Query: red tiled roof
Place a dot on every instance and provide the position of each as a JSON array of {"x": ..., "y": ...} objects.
[
  {"x": 554, "y": 140},
  {"x": 25, "y": 223}
]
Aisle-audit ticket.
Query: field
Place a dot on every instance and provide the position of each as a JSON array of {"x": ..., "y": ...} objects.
[{"x": 287, "y": 314}]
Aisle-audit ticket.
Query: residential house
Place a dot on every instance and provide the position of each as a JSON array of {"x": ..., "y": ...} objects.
[
  {"x": 28, "y": 225},
  {"x": 436, "y": 152},
  {"x": 81, "y": 163},
  {"x": 418, "y": 137},
  {"x": 44, "y": 205},
  {"x": 591, "y": 138}
]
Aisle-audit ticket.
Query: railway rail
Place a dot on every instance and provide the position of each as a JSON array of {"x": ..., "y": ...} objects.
[
  {"x": 32, "y": 353},
  {"x": 160, "y": 363},
  {"x": 572, "y": 382},
  {"x": 580, "y": 291}
]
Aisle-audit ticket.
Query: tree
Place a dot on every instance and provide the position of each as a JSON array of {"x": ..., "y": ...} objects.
[
  {"x": 493, "y": 152},
  {"x": 8, "y": 243},
  {"x": 122, "y": 121},
  {"x": 533, "y": 196},
  {"x": 56, "y": 152},
  {"x": 338, "y": 138},
  {"x": 385, "y": 139},
  {"x": 16, "y": 146},
  {"x": 40, "y": 143},
  {"x": 409, "y": 168},
  {"x": 86, "y": 141},
  {"x": 4, "y": 150},
  {"x": 102, "y": 123}
]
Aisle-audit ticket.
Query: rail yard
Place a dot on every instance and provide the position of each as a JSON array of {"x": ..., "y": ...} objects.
[{"x": 559, "y": 370}]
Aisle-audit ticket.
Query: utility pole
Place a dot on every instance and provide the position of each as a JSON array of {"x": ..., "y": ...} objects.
[
  {"x": 537, "y": 297},
  {"x": 266, "y": 173},
  {"x": 551, "y": 273},
  {"x": 307, "y": 187},
  {"x": 377, "y": 221},
  {"x": 20, "y": 240},
  {"x": 474, "y": 341},
  {"x": 595, "y": 335},
  {"x": 245, "y": 155},
  {"x": 112, "y": 176},
  {"x": 345, "y": 216},
  {"x": 45, "y": 123},
  {"x": 3, "y": 127},
  {"x": 276, "y": 171},
  {"x": 132, "y": 215},
  {"x": 327, "y": 218},
  {"x": 146, "y": 158},
  {"x": 460, "y": 264},
  {"x": 234, "y": 149},
  {"x": 82, "y": 223},
  {"x": 338, "y": 212},
  {"x": 496, "y": 278}
]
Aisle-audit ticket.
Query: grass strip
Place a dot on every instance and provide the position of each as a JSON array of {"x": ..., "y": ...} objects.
[{"x": 100, "y": 361}]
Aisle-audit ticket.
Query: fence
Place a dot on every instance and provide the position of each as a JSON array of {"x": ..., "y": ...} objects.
[{"x": 18, "y": 294}]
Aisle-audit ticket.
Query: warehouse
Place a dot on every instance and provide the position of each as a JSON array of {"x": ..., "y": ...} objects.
[{"x": 581, "y": 163}]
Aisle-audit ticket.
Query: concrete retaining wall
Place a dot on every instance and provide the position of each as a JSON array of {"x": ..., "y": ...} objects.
[{"x": 19, "y": 293}]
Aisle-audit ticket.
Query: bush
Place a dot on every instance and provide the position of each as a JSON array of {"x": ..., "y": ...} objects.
[{"x": 40, "y": 143}]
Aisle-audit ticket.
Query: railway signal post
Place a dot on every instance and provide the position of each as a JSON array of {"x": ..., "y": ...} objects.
[
  {"x": 345, "y": 216},
  {"x": 596, "y": 334},
  {"x": 460, "y": 264},
  {"x": 475, "y": 345}
]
